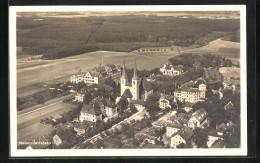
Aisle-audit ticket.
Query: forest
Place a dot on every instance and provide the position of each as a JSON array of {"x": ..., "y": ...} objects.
[{"x": 62, "y": 37}]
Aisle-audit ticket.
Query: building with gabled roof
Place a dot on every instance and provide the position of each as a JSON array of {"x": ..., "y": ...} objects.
[
  {"x": 213, "y": 136},
  {"x": 90, "y": 113},
  {"x": 182, "y": 136},
  {"x": 199, "y": 119},
  {"x": 172, "y": 128}
]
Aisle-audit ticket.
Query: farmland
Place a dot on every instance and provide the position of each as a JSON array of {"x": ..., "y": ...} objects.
[
  {"x": 65, "y": 67},
  {"x": 228, "y": 49},
  {"x": 29, "y": 126}
]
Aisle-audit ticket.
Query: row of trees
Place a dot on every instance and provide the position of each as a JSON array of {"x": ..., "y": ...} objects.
[{"x": 205, "y": 61}]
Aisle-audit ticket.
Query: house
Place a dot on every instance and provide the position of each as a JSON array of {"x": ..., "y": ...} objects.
[
  {"x": 198, "y": 119},
  {"x": 229, "y": 106},
  {"x": 213, "y": 136},
  {"x": 80, "y": 128},
  {"x": 152, "y": 139},
  {"x": 182, "y": 136},
  {"x": 191, "y": 95},
  {"x": 139, "y": 105},
  {"x": 218, "y": 144},
  {"x": 165, "y": 101},
  {"x": 90, "y": 113},
  {"x": 172, "y": 128},
  {"x": 63, "y": 136},
  {"x": 170, "y": 70},
  {"x": 110, "y": 108},
  {"x": 136, "y": 89},
  {"x": 187, "y": 107},
  {"x": 97, "y": 75},
  {"x": 160, "y": 124}
]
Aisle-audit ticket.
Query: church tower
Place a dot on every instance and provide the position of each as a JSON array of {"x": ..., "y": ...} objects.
[
  {"x": 123, "y": 79},
  {"x": 135, "y": 84}
]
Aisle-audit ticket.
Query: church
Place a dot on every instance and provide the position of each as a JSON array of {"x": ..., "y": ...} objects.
[{"x": 137, "y": 88}]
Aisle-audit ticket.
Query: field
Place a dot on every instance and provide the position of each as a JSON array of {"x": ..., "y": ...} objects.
[
  {"x": 65, "y": 67},
  {"x": 29, "y": 126},
  {"x": 228, "y": 49}
]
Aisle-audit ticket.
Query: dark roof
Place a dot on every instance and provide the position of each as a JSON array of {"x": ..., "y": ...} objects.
[
  {"x": 146, "y": 85},
  {"x": 90, "y": 109},
  {"x": 109, "y": 102},
  {"x": 200, "y": 114},
  {"x": 218, "y": 144},
  {"x": 127, "y": 94},
  {"x": 174, "y": 125},
  {"x": 64, "y": 135},
  {"x": 186, "y": 133},
  {"x": 216, "y": 133},
  {"x": 187, "y": 104}
]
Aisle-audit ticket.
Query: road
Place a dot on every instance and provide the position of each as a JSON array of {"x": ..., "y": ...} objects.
[{"x": 28, "y": 123}]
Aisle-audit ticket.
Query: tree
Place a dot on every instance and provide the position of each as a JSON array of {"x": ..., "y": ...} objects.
[
  {"x": 100, "y": 144},
  {"x": 39, "y": 98},
  {"x": 122, "y": 105},
  {"x": 201, "y": 137},
  {"x": 152, "y": 105}
]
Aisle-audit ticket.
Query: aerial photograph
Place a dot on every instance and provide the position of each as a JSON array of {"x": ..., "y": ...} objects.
[{"x": 128, "y": 80}]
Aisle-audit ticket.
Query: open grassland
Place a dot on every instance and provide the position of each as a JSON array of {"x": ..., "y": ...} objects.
[
  {"x": 228, "y": 49},
  {"x": 71, "y": 65},
  {"x": 29, "y": 126}
]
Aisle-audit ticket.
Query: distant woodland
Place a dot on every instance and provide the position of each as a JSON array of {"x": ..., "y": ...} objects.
[{"x": 62, "y": 37}]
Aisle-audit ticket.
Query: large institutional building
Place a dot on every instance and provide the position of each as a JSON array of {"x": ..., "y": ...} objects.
[
  {"x": 170, "y": 70},
  {"x": 135, "y": 89},
  {"x": 98, "y": 75},
  {"x": 192, "y": 95}
]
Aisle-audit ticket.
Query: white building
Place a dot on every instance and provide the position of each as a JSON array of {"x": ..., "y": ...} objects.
[
  {"x": 213, "y": 136},
  {"x": 172, "y": 128},
  {"x": 191, "y": 95},
  {"x": 199, "y": 119},
  {"x": 182, "y": 136},
  {"x": 97, "y": 75},
  {"x": 171, "y": 70},
  {"x": 90, "y": 113}
]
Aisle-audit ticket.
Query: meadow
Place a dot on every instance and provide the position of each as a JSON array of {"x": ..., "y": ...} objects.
[{"x": 227, "y": 49}]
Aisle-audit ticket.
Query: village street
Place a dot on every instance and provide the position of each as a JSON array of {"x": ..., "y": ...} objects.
[{"x": 137, "y": 116}]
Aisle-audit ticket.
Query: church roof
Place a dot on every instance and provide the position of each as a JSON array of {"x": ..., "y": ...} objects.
[{"x": 127, "y": 94}]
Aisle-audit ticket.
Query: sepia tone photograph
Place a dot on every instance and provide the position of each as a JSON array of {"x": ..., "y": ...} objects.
[{"x": 90, "y": 79}]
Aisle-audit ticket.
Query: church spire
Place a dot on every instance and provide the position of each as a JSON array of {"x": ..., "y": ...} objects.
[
  {"x": 124, "y": 70},
  {"x": 135, "y": 72}
]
